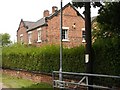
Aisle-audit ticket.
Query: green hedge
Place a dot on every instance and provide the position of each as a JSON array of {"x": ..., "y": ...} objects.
[
  {"x": 107, "y": 60},
  {"x": 45, "y": 59},
  {"x": 107, "y": 57}
]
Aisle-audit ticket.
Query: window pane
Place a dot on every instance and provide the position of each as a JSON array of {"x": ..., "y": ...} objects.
[
  {"x": 64, "y": 34},
  {"x": 39, "y": 35},
  {"x": 29, "y": 37},
  {"x": 83, "y": 34}
]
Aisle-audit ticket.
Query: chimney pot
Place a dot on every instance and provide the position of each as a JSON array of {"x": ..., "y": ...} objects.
[
  {"x": 46, "y": 13},
  {"x": 54, "y": 9}
]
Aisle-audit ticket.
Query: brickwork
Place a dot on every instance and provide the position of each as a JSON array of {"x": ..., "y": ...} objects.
[
  {"x": 22, "y": 31},
  {"x": 70, "y": 18},
  {"x": 50, "y": 34}
]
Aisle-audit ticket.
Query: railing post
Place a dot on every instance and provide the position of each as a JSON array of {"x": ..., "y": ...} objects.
[
  {"x": 53, "y": 78},
  {"x": 87, "y": 81}
]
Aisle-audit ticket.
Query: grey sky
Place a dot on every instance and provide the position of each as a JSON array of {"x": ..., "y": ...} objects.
[{"x": 12, "y": 11}]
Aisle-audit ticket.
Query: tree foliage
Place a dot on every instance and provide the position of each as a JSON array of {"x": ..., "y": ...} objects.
[
  {"x": 82, "y": 4},
  {"x": 108, "y": 20},
  {"x": 5, "y": 39}
]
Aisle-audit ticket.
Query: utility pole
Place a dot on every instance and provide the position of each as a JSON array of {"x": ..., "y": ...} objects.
[
  {"x": 61, "y": 46},
  {"x": 88, "y": 56}
]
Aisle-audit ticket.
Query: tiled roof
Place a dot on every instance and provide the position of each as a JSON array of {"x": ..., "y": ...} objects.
[
  {"x": 33, "y": 25},
  {"x": 40, "y": 22},
  {"x": 29, "y": 24}
]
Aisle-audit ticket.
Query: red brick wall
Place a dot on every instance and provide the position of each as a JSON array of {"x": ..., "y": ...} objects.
[
  {"x": 43, "y": 36},
  {"x": 22, "y": 30},
  {"x": 34, "y": 36},
  {"x": 69, "y": 18}
]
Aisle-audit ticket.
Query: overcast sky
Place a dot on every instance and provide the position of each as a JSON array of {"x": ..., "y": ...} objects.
[{"x": 12, "y": 11}]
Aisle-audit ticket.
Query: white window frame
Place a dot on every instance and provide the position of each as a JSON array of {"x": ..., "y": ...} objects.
[
  {"x": 66, "y": 33},
  {"x": 21, "y": 38},
  {"x": 39, "y": 35},
  {"x": 83, "y": 39},
  {"x": 30, "y": 37}
]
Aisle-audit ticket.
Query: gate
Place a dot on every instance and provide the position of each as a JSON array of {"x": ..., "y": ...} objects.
[{"x": 79, "y": 81}]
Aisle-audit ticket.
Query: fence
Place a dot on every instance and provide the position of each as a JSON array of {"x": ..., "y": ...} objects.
[{"x": 79, "y": 81}]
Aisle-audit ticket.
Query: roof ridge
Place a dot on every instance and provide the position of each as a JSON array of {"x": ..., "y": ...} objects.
[
  {"x": 29, "y": 21},
  {"x": 40, "y": 19},
  {"x": 52, "y": 15}
]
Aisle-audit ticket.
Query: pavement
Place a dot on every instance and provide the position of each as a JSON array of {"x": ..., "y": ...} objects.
[{"x": 2, "y": 86}]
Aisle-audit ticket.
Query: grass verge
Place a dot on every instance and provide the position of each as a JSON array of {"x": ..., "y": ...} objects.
[{"x": 14, "y": 82}]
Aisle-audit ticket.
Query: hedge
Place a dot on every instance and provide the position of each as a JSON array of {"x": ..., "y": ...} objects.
[
  {"x": 107, "y": 60},
  {"x": 45, "y": 59}
]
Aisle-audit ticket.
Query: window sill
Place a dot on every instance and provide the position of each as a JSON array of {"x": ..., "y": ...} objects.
[
  {"x": 29, "y": 43},
  {"x": 65, "y": 40},
  {"x": 39, "y": 41}
]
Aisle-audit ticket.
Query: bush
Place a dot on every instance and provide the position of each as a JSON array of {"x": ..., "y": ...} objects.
[
  {"x": 107, "y": 60},
  {"x": 45, "y": 59}
]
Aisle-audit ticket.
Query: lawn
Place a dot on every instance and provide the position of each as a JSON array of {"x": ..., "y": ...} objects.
[{"x": 14, "y": 82}]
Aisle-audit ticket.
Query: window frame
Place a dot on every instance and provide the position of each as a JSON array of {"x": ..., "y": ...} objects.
[
  {"x": 21, "y": 39},
  {"x": 39, "y": 34},
  {"x": 30, "y": 37},
  {"x": 83, "y": 35},
  {"x": 66, "y": 29}
]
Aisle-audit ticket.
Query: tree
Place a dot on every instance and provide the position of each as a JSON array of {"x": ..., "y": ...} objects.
[
  {"x": 5, "y": 39},
  {"x": 108, "y": 20}
]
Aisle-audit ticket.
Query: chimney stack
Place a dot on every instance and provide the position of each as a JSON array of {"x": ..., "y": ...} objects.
[
  {"x": 46, "y": 13},
  {"x": 54, "y": 9}
]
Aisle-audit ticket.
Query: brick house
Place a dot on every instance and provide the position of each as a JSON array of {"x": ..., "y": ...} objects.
[{"x": 47, "y": 29}]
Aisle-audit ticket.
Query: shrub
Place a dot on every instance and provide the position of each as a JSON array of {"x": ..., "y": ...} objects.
[
  {"x": 45, "y": 59},
  {"x": 107, "y": 60}
]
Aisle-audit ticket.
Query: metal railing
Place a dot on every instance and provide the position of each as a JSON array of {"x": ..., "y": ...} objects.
[{"x": 82, "y": 82}]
